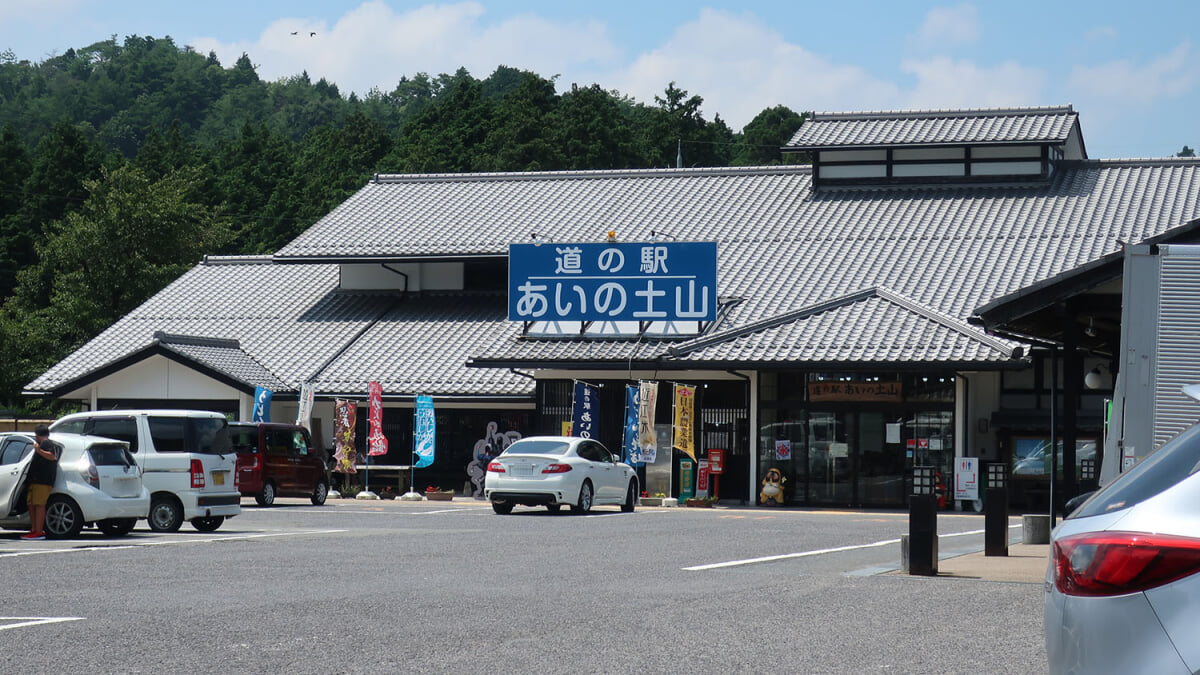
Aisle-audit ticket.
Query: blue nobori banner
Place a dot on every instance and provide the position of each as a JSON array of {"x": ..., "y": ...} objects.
[{"x": 657, "y": 281}]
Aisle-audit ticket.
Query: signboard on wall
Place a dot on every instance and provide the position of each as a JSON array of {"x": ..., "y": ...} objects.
[
  {"x": 855, "y": 391},
  {"x": 649, "y": 281}
]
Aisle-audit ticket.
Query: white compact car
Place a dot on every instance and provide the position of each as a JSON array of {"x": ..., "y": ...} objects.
[
  {"x": 552, "y": 471},
  {"x": 186, "y": 459},
  {"x": 1123, "y": 585},
  {"x": 98, "y": 482}
]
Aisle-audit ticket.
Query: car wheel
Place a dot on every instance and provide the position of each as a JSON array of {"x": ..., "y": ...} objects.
[
  {"x": 503, "y": 508},
  {"x": 585, "y": 499},
  {"x": 320, "y": 492},
  {"x": 166, "y": 515},
  {"x": 63, "y": 518},
  {"x": 630, "y": 498},
  {"x": 267, "y": 496},
  {"x": 116, "y": 527},
  {"x": 553, "y": 508},
  {"x": 208, "y": 524}
]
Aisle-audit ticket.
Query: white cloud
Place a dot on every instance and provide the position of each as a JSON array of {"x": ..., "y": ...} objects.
[
  {"x": 948, "y": 27},
  {"x": 740, "y": 66},
  {"x": 1169, "y": 76},
  {"x": 373, "y": 46},
  {"x": 1100, "y": 34},
  {"x": 951, "y": 83}
]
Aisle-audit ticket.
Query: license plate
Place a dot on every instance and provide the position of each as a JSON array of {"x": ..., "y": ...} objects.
[
  {"x": 522, "y": 470},
  {"x": 218, "y": 478}
]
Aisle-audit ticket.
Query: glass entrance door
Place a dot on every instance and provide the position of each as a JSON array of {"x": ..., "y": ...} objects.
[{"x": 830, "y": 466}]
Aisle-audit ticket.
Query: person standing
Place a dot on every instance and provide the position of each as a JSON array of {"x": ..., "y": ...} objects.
[{"x": 43, "y": 470}]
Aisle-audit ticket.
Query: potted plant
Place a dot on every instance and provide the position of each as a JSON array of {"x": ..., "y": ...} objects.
[
  {"x": 701, "y": 502},
  {"x": 436, "y": 494},
  {"x": 656, "y": 500}
]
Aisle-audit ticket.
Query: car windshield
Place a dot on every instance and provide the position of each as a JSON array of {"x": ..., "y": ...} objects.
[
  {"x": 1163, "y": 469},
  {"x": 537, "y": 447}
]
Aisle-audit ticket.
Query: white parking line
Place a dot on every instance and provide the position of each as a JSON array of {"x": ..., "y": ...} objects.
[
  {"x": 171, "y": 541},
  {"x": 34, "y": 621},
  {"x": 806, "y": 554}
]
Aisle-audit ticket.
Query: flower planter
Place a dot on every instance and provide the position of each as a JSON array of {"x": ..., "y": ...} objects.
[
  {"x": 443, "y": 496},
  {"x": 699, "y": 503},
  {"x": 650, "y": 501}
]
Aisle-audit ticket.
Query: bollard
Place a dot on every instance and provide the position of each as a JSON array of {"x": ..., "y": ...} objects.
[
  {"x": 995, "y": 517},
  {"x": 922, "y": 524}
]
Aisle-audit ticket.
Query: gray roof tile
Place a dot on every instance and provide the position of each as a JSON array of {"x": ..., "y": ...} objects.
[{"x": 934, "y": 127}]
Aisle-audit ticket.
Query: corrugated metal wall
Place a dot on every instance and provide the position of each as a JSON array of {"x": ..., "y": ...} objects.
[{"x": 1178, "y": 346}]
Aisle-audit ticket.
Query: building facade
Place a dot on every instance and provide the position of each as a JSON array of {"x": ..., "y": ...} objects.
[{"x": 868, "y": 315}]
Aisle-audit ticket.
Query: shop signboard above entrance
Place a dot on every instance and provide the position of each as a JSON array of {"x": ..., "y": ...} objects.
[{"x": 650, "y": 281}]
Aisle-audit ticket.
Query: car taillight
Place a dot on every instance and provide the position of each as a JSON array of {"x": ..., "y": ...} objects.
[
  {"x": 556, "y": 468},
  {"x": 197, "y": 473},
  {"x": 89, "y": 474},
  {"x": 248, "y": 461},
  {"x": 495, "y": 467},
  {"x": 1117, "y": 563},
  {"x": 237, "y": 480}
]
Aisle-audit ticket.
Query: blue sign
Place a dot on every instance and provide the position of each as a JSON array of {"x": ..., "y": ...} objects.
[
  {"x": 656, "y": 281},
  {"x": 586, "y": 413},
  {"x": 631, "y": 449},
  {"x": 424, "y": 432},
  {"x": 262, "y": 405}
]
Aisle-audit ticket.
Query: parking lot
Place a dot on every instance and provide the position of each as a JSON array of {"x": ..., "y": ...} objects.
[{"x": 391, "y": 586}]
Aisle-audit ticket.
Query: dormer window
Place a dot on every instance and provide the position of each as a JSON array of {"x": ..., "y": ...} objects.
[{"x": 917, "y": 147}]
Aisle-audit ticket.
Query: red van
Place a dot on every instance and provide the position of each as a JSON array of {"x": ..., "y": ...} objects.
[{"x": 278, "y": 460}]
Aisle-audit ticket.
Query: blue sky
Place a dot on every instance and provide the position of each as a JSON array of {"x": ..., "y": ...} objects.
[{"x": 1130, "y": 69}]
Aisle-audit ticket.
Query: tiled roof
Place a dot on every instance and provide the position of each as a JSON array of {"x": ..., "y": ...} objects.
[
  {"x": 928, "y": 257},
  {"x": 781, "y": 246},
  {"x": 224, "y": 356},
  {"x": 422, "y": 346},
  {"x": 874, "y": 326},
  {"x": 288, "y": 322},
  {"x": 934, "y": 127}
]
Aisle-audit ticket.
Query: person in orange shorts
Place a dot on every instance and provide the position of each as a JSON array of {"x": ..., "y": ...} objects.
[{"x": 43, "y": 470}]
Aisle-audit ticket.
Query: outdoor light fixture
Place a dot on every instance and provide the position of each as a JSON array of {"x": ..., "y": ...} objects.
[
  {"x": 1090, "y": 331},
  {"x": 1094, "y": 378}
]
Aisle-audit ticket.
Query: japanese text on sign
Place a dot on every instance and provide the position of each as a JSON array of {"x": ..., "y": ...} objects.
[{"x": 658, "y": 281}]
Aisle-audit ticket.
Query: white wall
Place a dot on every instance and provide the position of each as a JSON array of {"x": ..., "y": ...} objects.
[
  {"x": 159, "y": 377},
  {"x": 421, "y": 276}
]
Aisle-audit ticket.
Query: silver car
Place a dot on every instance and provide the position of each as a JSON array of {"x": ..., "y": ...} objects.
[
  {"x": 1123, "y": 584},
  {"x": 97, "y": 482}
]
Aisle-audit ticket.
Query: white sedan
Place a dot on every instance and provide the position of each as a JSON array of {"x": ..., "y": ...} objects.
[{"x": 554, "y": 470}]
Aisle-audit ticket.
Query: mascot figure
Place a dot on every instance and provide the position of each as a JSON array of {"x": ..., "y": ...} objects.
[{"x": 772, "y": 488}]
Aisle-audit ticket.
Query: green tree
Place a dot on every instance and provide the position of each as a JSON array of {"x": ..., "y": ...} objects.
[
  {"x": 762, "y": 138},
  {"x": 593, "y": 130},
  {"x": 1186, "y": 152},
  {"x": 131, "y": 237},
  {"x": 519, "y": 139},
  {"x": 16, "y": 244}
]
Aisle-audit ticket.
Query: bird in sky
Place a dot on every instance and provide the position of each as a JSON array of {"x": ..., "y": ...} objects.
[
  {"x": 312, "y": 34},
  {"x": 295, "y": 32}
]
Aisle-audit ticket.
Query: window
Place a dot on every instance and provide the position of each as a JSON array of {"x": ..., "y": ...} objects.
[
  {"x": 15, "y": 450},
  {"x": 278, "y": 442},
  {"x": 169, "y": 433},
  {"x": 244, "y": 439},
  {"x": 120, "y": 428},
  {"x": 299, "y": 444},
  {"x": 594, "y": 452}
]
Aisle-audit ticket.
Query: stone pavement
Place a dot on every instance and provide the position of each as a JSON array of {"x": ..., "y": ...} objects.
[{"x": 1025, "y": 563}]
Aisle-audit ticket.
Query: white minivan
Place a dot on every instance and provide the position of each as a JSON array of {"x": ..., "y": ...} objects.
[{"x": 186, "y": 460}]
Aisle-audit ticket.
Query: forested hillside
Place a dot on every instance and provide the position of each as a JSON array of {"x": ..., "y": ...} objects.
[{"x": 123, "y": 163}]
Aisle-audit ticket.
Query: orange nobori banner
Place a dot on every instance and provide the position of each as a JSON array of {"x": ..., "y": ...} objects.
[{"x": 685, "y": 419}]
